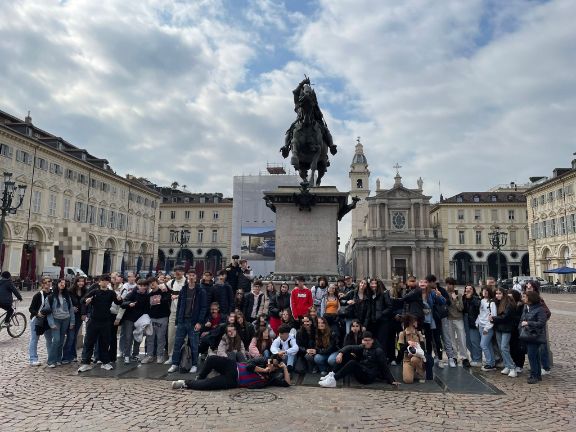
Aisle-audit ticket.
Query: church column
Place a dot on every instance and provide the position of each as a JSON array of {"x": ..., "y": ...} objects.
[
  {"x": 385, "y": 217},
  {"x": 423, "y": 263},
  {"x": 422, "y": 221},
  {"x": 379, "y": 262},
  {"x": 433, "y": 261},
  {"x": 414, "y": 268},
  {"x": 371, "y": 261},
  {"x": 412, "y": 220},
  {"x": 388, "y": 274}
]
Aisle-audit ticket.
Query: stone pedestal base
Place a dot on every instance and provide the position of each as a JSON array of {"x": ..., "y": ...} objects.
[{"x": 306, "y": 231}]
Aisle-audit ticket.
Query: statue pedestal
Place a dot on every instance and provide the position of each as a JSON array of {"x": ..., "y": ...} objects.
[{"x": 306, "y": 231}]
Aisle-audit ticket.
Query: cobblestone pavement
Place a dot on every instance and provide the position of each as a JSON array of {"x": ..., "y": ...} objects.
[{"x": 41, "y": 399}]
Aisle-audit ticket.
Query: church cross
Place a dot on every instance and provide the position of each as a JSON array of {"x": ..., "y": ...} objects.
[{"x": 397, "y": 166}]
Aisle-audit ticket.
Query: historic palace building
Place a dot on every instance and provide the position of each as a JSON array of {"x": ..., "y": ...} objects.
[
  {"x": 466, "y": 221},
  {"x": 77, "y": 211},
  {"x": 194, "y": 230},
  {"x": 552, "y": 221},
  {"x": 391, "y": 233}
]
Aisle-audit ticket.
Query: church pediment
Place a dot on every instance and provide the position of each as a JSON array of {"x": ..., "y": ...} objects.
[{"x": 399, "y": 193}]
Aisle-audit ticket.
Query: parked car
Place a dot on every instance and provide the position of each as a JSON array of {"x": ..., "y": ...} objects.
[
  {"x": 53, "y": 272},
  {"x": 267, "y": 248}
]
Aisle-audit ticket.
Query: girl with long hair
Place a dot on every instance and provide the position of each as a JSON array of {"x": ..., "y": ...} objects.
[
  {"x": 354, "y": 336},
  {"x": 471, "y": 303},
  {"x": 517, "y": 348},
  {"x": 486, "y": 328},
  {"x": 277, "y": 304},
  {"x": 503, "y": 322},
  {"x": 245, "y": 329},
  {"x": 260, "y": 345},
  {"x": 382, "y": 315},
  {"x": 60, "y": 319},
  {"x": 325, "y": 349},
  {"x": 231, "y": 345},
  {"x": 74, "y": 336}
]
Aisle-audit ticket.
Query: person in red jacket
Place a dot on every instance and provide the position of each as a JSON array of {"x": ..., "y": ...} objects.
[{"x": 300, "y": 299}]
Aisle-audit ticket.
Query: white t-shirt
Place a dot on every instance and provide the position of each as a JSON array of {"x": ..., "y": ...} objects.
[{"x": 175, "y": 285}]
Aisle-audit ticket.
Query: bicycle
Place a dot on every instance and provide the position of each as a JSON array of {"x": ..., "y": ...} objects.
[{"x": 18, "y": 323}]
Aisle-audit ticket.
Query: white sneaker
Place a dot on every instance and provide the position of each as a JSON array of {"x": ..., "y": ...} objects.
[
  {"x": 147, "y": 359},
  {"x": 519, "y": 370},
  {"x": 329, "y": 382},
  {"x": 180, "y": 384},
  {"x": 330, "y": 374},
  {"x": 107, "y": 366},
  {"x": 84, "y": 368},
  {"x": 475, "y": 364},
  {"x": 393, "y": 363},
  {"x": 451, "y": 362},
  {"x": 169, "y": 361},
  {"x": 160, "y": 360},
  {"x": 505, "y": 371},
  {"x": 513, "y": 373},
  {"x": 194, "y": 369},
  {"x": 173, "y": 368},
  {"x": 126, "y": 360},
  {"x": 545, "y": 372},
  {"x": 441, "y": 364},
  {"x": 35, "y": 363},
  {"x": 51, "y": 365}
]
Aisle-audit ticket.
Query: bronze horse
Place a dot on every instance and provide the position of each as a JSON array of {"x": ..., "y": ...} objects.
[{"x": 308, "y": 137}]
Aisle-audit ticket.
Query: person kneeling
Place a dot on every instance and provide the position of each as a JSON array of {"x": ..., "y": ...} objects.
[
  {"x": 256, "y": 373},
  {"x": 410, "y": 340},
  {"x": 366, "y": 362}
]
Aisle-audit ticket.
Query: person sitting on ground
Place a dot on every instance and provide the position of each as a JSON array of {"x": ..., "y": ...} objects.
[
  {"x": 211, "y": 330},
  {"x": 286, "y": 319},
  {"x": 354, "y": 336},
  {"x": 261, "y": 343},
  {"x": 285, "y": 346},
  {"x": 306, "y": 340},
  {"x": 256, "y": 373},
  {"x": 261, "y": 322},
  {"x": 366, "y": 362},
  {"x": 231, "y": 345},
  {"x": 325, "y": 349},
  {"x": 245, "y": 329},
  {"x": 413, "y": 358}
]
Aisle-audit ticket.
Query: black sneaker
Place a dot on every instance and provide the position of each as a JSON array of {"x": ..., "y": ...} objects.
[
  {"x": 488, "y": 368},
  {"x": 466, "y": 363},
  {"x": 532, "y": 380}
]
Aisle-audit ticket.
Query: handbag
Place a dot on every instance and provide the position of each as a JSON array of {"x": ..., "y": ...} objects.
[
  {"x": 440, "y": 311},
  {"x": 530, "y": 335}
]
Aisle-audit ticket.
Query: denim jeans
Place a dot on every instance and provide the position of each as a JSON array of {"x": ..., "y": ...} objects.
[
  {"x": 486, "y": 345},
  {"x": 504, "y": 344},
  {"x": 544, "y": 356},
  {"x": 70, "y": 346},
  {"x": 472, "y": 341},
  {"x": 33, "y": 344},
  {"x": 534, "y": 359},
  {"x": 458, "y": 336},
  {"x": 127, "y": 342},
  {"x": 58, "y": 334},
  {"x": 323, "y": 360},
  {"x": 183, "y": 329}
]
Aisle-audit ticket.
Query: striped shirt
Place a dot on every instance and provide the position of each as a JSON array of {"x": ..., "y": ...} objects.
[{"x": 247, "y": 379}]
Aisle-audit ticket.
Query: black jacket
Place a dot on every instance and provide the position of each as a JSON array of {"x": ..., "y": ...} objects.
[
  {"x": 161, "y": 310},
  {"x": 101, "y": 302},
  {"x": 232, "y": 274},
  {"x": 223, "y": 295},
  {"x": 504, "y": 323},
  {"x": 352, "y": 339},
  {"x": 382, "y": 307},
  {"x": 373, "y": 360},
  {"x": 246, "y": 333},
  {"x": 278, "y": 303},
  {"x": 142, "y": 305},
  {"x": 7, "y": 290},
  {"x": 248, "y": 305},
  {"x": 37, "y": 302},
  {"x": 472, "y": 309},
  {"x": 413, "y": 303},
  {"x": 305, "y": 340},
  {"x": 361, "y": 309},
  {"x": 536, "y": 316}
]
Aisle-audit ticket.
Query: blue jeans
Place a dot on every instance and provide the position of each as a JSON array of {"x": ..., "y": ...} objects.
[
  {"x": 33, "y": 344},
  {"x": 486, "y": 344},
  {"x": 323, "y": 360},
  {"x": 534, "y": 359},
  {"x": 70, "y": 345},
  {"x": 57, "y": 341},
  {"x": 183, "y": 329},
  {"x": 544, "y": 357},
  {"x": 472, "y": 341},
  {"x": 504, "y": 345}
]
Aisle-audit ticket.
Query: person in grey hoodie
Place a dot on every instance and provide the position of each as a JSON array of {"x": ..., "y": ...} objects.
[{"x": 60, "y": 319}]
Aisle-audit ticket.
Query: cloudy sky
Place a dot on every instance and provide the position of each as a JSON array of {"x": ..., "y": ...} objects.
[{"x": 467, "y": 93}]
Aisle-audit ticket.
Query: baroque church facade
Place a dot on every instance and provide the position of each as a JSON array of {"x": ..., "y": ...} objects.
[{"x": 391, "y": 232}]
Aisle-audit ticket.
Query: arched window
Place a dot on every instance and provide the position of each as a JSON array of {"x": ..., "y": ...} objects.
[{"x": 359, "y": 184}]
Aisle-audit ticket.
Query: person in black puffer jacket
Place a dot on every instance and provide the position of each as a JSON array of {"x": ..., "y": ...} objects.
[
  {"x": 136, "y": 303},
  {"x": 503, "y": 324},
  {"x": 471, "y": 303},
  {"x": 534, "y": 320}
]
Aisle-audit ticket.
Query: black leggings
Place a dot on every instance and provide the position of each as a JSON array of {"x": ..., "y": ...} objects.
[
  {"x": 227, "y": 378},
  {"x": 433, "y": 340}
]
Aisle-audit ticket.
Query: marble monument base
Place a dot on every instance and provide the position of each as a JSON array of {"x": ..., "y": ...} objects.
[{"x": 306, "y": 231}]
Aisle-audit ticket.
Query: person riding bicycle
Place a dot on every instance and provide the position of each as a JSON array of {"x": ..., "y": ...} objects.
[{"x": 7, "y": 289}]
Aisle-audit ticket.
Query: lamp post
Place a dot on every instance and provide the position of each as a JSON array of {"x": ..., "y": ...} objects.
[
  {"x": 498, "y": 241},
  {"x": 8, "y": 196},
  {"x": 181, "y": 237}
]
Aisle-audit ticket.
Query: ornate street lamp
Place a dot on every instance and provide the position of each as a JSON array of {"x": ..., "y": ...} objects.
[
  {"x": 181, "y": 237},
  {"x": 498, "y": 241},
  {"x": 10, "y": 192}
]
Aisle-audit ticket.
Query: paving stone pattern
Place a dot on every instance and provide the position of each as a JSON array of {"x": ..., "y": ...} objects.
[{"x": 42, "y": 399}]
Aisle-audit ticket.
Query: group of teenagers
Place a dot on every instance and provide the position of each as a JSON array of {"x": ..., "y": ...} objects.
[{"x": 250, "y": 333}]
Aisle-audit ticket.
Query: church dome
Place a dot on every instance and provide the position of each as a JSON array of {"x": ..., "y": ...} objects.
[{"x": 359, "y": 158}]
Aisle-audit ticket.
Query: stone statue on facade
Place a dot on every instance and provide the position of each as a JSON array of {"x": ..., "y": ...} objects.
[{"x": 308, "y": 137}]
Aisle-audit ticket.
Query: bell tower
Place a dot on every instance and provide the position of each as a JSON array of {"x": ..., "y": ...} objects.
[{"x": 359, "y": 187}]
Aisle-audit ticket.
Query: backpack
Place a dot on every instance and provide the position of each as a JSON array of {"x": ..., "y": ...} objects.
[{"x": 185, "y": 359}]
